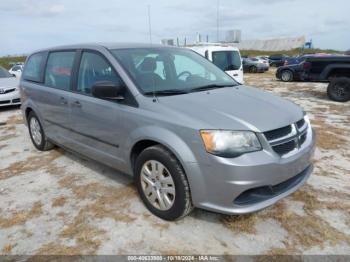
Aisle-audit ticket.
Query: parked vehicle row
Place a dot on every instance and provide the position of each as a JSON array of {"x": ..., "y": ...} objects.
[
  {"x": 321, "y": 68},
  {"x": 255, "y": 65},
  {"x": 277, "y": 60},
  {"x": 188, "y": 133}
]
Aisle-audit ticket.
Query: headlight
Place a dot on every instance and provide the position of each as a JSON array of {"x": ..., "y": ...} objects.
[
  {"x": 227, "y": 143},
  {"x": 306, "y": 118},
  {"x": 307, "y": 121}
]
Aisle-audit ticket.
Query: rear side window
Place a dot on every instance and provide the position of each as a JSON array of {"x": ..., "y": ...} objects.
[
  {"x": 59, "y": 69},
  {"x": 32, "y": 70}
]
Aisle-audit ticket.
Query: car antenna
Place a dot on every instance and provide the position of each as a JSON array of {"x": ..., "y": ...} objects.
[
  {"x": 149, "y": 24},
  {"x": 150, "y": 40},
  {"x": 154, "y": 91}
]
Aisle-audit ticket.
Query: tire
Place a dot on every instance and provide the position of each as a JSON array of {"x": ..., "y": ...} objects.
[
  {"x": 153, "y": 196},
  {"x": 253, "y": 69},
  {"x": 36, "y": 131},
  {"x": 339, "y": 89},
  {"x": 286, "y": 75}
]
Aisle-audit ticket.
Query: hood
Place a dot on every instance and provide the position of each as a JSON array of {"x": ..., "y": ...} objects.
[
  {"x": 8, "y": 82},
  {"x": 236, "y": 108}
]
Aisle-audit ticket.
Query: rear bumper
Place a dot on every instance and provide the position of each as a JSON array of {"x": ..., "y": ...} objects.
[
  {"x": 9, "y": 99},
  {"x": 250, "y": 182}
]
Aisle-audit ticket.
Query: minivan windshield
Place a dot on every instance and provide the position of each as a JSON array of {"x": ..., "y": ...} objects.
[
  {"x": 171, "y": 71},
  {"x": 4, "y": 73},
  {"x": 227, "y": 60}
]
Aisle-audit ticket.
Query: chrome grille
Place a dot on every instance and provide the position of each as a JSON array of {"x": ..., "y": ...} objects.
[
  {"x": 300, "y": 123},
  {"x": 285, "y": 148},
  {"x": 286, "y": 139},
  {"x": 277, "y": 133}
]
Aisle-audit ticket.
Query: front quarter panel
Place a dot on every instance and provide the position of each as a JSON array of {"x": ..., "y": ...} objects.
[
  {"x": 187, "y": 155},
  {"x": 162, "y": 136}
]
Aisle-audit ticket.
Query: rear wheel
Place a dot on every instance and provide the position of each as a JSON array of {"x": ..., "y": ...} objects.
[
  {"x": 286, "y": 76},
  {"x": 162, "y": 183},
  {"x": 339, "y": 89},
  {"x": 37, "y": 134}
]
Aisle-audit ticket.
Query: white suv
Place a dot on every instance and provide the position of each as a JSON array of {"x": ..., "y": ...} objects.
[
  {"x": 16, "y": 70},
  {"x": 227, "y": 58}
]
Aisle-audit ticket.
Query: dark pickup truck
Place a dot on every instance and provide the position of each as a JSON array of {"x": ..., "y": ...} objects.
[{"x": 334, "y": 69}]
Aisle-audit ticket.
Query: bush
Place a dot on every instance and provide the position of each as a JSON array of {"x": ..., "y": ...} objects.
[
  {"x": 293, "y": 52},
  {"x": 7, "y": 61}
]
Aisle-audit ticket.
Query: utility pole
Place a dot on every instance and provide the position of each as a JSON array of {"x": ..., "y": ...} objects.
[
  {"x": 217, "y": 20},
  {"x": 149, "y": 24}
]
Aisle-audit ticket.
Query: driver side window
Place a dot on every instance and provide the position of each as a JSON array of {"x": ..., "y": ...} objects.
[
  {"x": 94, "y": 68},
  {"x": 185, "y": 64}
]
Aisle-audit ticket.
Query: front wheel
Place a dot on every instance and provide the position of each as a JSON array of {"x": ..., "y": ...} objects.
[
  {"x": 162, "y": 183},
  {"x": 339, "y": 89}
]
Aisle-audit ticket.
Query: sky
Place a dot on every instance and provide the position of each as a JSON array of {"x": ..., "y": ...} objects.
[{"x": 27, "y": 25}]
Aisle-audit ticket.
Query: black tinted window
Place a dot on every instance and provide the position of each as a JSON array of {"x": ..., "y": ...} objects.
[
  {"x": 16, "y": 68},
  {"x": 59, "y": 69},
  {"x": 32, "y": 69},
  {"x": 227, "y": 60},
  {"x": 276, "y": 57},
  {"x": 94, "y": 68}
]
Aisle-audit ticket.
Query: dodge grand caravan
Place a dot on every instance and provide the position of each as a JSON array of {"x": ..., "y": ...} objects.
[{"x": 186, "y": 131}]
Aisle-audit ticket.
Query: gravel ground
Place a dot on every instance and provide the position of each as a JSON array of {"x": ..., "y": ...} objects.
[{"x": 57, "y": 203}]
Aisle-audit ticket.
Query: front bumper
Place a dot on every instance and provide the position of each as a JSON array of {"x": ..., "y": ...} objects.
[
  {"x": 9, "y": 99},
  {"x": 240, "y": 185}
]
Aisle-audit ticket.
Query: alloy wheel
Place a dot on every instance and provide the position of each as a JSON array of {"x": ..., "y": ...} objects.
[
  {"x": 157, "y": 185},
  {"x": 286, "y": 76},
  {"x": 341, "y": 90},
  {"x": 35, "y": 131}
]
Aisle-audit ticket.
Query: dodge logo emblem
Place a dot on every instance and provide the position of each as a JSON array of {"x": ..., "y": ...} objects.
[{"x": 2, "y": 91}]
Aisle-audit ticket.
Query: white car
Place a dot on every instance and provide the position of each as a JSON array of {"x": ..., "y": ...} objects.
[
  {"x": 9, "y": 92},
  {"x": 264, "y": 60},
  {"x": 227, "y": 58},
  {"x": 16, "y": 70}
]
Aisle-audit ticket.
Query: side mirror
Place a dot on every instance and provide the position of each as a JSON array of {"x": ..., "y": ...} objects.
[
  {"x": 14, "y": 75},
  {"x": 108, "y": 90}
]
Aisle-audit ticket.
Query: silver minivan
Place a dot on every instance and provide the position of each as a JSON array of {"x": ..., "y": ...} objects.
[{"x": 186, "y": 131}]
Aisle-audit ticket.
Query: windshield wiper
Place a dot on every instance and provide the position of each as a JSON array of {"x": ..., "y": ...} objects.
[
  {"x": 207, "y": 87},
  {"x": 167, "y": 92}
]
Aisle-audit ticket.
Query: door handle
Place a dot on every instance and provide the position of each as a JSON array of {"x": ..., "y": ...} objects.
[
  {"x": 76, "y": 104},
  {"x": 63, "y": 101}
]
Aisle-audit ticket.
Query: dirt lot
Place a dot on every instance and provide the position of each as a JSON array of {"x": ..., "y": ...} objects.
[{"x": 57, "y": 203}]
